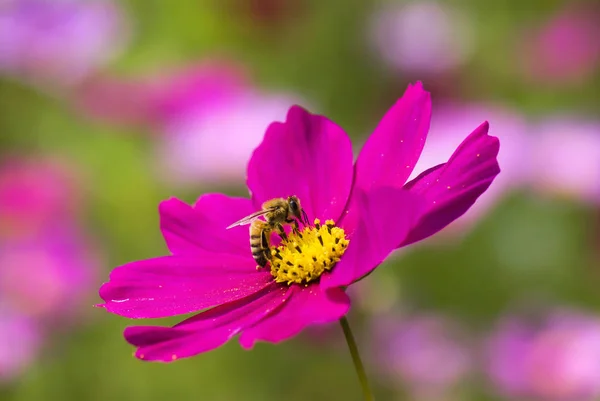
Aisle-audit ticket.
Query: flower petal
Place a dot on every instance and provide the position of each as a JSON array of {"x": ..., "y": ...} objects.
[
  {"x": 381, "y": 219},
  {"x": 173, "y": 285},
  {"x": 187, "y": 229},
  {"x": 206, "y": 330},
  {"x": 391, "y": 152},
  {"x": 306, "y": 305},
  {"x": 308, "y": 156},
  {"x": 450, "y": 189}
]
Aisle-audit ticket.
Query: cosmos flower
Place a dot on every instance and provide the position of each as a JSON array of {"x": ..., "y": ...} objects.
[
  {"x": 47, "y": 276},
  {"x": 448, "y": 124},
  {"x": 566, "y": 158},
  {"x": 555, "y": 358},
  {"x": 422, "y": 36},
  {"x": 208, "y": 118},
  {"x": 156, "y": 99},
  {"x": 360, "y": 213},
  {"x": 34, "y": 193},
  {"x": 46, "y": 263},
  {"x": 20, "y": 342},
  {"x": 212, "y": 145},
  {"x": 564, "y": 49},
  {"x": 410, "y": 349},
  {"x": 58, "y": 42}
]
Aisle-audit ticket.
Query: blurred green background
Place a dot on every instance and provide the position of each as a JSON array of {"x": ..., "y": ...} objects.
[{"x": 535, "y": 248}]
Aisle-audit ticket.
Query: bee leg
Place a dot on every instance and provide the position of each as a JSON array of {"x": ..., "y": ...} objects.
[
  {"x": 305, "y": 221},
  {"x": 281, "y": 232},
  {"x": 295, "y": 227}
]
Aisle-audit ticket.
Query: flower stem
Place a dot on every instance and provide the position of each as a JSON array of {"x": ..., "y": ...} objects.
[{"x": 360, "y": 370}]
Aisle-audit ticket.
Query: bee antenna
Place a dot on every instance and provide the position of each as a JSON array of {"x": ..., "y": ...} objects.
[{"x": 305, "y": 217}]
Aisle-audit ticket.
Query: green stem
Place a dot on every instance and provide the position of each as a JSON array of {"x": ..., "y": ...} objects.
[{"x": 360, "y": 369}]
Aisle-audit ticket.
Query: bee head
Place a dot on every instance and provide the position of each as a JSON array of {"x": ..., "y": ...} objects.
[{"x": 296, "y": 210}]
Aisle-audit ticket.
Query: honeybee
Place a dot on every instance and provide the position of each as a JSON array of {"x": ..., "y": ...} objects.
[{"x": 277, "y": 212}]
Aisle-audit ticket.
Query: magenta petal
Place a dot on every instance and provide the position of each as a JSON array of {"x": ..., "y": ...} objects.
[
  {"x": 307, "y": 305},
  {"x": 207, "y": 330},
  {"x": 382, "y": 218},
  {"x": 308, "y": 156},
  {"x": 391, "y": 152},
  {"x": 451, "y": 188},
  {"x": 188, "y": 229},
  {"x": 174, "y": 285}
]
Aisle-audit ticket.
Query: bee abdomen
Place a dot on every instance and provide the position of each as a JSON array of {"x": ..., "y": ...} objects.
[
  {"x": 259, "y": 242},
  {"x": 261, "y": 256}
]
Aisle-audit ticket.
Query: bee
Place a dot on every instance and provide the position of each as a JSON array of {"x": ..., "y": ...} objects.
[{"x": 277, "y": 212}]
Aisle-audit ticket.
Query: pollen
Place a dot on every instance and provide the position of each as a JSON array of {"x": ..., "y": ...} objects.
[{"x": 305, "y": 255}]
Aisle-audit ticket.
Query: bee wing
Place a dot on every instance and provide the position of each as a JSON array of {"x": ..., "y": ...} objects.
[{"x": 249, "y": 219}]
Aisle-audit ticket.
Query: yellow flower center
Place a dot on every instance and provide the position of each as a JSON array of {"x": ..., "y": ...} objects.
[{"x": 305, "y": 255}]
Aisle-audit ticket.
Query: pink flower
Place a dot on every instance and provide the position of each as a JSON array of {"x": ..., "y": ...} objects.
[
  {"x": 20, "y": 341},
  {"x": 212, "y": 145},
  {"x": 411, "y": 350},
  {"x": 34, "y": 194},
  {"x": 448, "y": 125},
  {"x": 46, "y": 263},
  {"x": 506, "y": 353},
  {"x": 367, "y": 211},
  {"x": 565, "y": 49},
  {"x": 554, "y": 359},
  {"x": 566, "y": 158},
  {"x": 48, "y": 275},
  {"x": 209, "y": 118},
  {"x": 58, "y": 41},
  {"x": 422, "y": 36},
  {"x": 155, "y": 100}
]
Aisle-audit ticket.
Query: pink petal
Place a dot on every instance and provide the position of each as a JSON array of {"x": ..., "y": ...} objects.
[
  {"x": 307, "y": 305},
  {"x": 207, "y": 330},
  {"x": 391, "y": 152},
  {"x": 450, "y": 189},
  {"x": 173, "y": 285},
  {"x": 188, "y": 229},
  {"x": 382, "y": 218},
  {"x": 308, "y": 156}
]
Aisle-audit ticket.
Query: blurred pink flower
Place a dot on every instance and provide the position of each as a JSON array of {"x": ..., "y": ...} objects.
[
  {"x": 428, "y": 353},
  {"x": 212, "y": 120},
  {"x": 422, "y": 36},
  {"x": 447, "y": 123},
  {"x": 565, "y": 48},
  {"x": 20, "y": 342},
  {"x": 214, "y": 145},
  {"x": 555, "y": 359},
  {"x": 566, "y": 158},
  {"x": 48, "y": 276},
  {"x": 34, "y": 193},
  {"x": 156, "y": 99},
  {"x": 507, "y": 355},
  {"x": 52, "y": 42},
  {"x": 46, "y": 264},
  {"x": 209, "y": 118}
]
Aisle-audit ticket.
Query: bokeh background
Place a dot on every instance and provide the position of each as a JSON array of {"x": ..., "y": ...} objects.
[{"x": 107, "y": 108}]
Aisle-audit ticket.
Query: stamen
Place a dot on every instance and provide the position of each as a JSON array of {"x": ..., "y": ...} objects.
[{"x": 304, "y": 256}]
